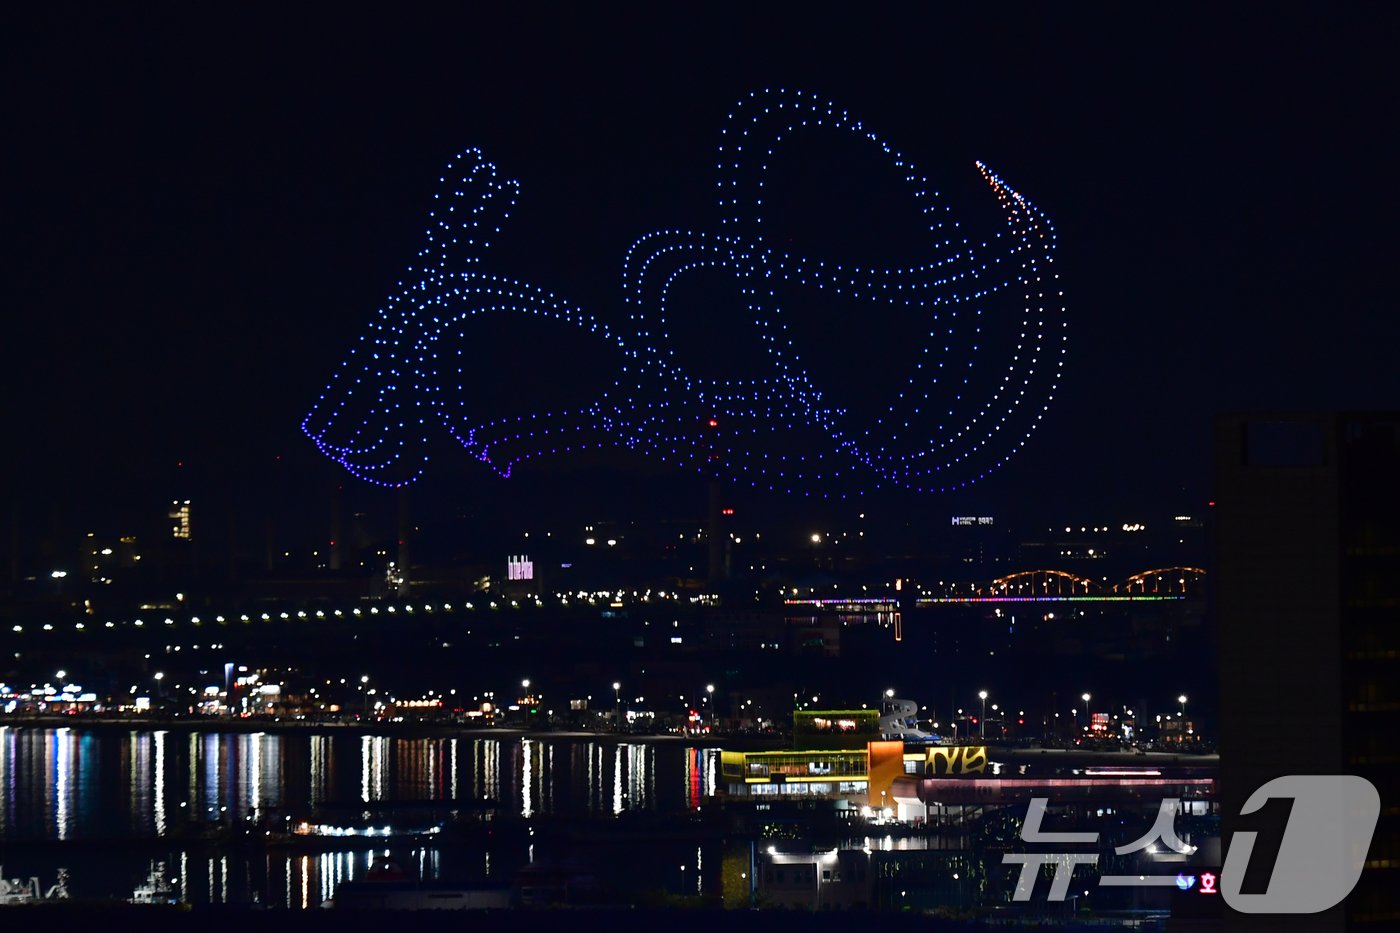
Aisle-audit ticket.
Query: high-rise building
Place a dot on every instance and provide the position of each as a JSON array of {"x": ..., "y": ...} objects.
[
  {"x": 1308, "y": 602},
  {"x": 104, "y": 558},
  {"x": 179, "y": 515}
]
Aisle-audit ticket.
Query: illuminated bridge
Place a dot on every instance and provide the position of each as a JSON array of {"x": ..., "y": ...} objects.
[
  {"x": 1160, "y": 584},
  {"x": 1037, "y": 586}
]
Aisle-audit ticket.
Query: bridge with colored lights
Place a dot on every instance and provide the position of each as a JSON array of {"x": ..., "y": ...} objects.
[{"x": 1160, "y": 584}]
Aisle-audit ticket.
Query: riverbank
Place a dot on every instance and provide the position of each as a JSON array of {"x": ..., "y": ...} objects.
[
  {"x": 400, "y": 729},
  {"x": 737, "y": 741}
]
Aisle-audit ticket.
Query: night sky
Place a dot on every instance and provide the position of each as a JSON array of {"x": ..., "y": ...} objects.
[{"x": 206, "y": 205}]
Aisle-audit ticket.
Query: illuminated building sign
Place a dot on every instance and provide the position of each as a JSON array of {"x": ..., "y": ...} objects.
[
  {"x": 1098, "y": 722},
  {"x": 834, "y": 728},
  {"x": 972, "y": 519},
  {"x": 842, "y": 724},
  {"x": 520, "y": 568},
  {"x": 956, "y": 759}
]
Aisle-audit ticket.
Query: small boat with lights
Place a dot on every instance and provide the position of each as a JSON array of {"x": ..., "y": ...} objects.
[
  {"x": 334, "y": 824},
  {"x": 319, "y": 834},
  {"x": 157, "y": 889}
]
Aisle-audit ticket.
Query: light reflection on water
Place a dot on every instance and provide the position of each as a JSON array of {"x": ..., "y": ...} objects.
[{"x": 136, "y": 793}]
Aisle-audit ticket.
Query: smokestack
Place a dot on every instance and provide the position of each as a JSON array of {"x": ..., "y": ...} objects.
[
  {"x": 233, "y": 513},
  {"x": 336, "y": 544},
  {"x": 403, "y": 563},
  {"x": 14, "y": 545},
  {"x": 714, "y": 535}
]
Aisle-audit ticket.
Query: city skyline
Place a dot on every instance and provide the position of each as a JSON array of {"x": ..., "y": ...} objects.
[{"x": 663, "y": 456}]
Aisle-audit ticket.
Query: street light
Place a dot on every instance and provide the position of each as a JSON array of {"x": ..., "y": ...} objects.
[
  {"x": 1085, "y": 698},
  {"x": 982, "y": 723},
  {"x": 1182, "y": 700},
  {"x": 617, "y": 704}
]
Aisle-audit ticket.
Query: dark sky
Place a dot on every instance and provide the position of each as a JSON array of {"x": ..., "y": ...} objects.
[{"x": 206, "y": 206}]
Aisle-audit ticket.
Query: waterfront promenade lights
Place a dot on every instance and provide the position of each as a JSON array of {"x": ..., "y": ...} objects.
[{"x": 982, "y": 723}]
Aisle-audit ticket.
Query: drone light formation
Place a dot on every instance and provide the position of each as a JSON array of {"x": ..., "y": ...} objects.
[{"x": 405, "y": 378}]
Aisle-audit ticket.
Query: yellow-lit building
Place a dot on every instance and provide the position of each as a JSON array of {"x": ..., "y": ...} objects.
[{"x": 863, "y": 777}]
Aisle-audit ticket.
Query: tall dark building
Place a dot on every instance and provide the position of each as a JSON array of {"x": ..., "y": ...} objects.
[{"x": 1308, "y": 590}]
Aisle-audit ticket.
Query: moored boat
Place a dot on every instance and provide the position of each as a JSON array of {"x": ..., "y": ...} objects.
[{"x": 156, "y": 889}]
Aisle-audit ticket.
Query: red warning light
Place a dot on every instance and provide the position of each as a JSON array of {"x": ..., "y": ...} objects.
[
  {"x": 1211, "y": 503},
  {"x": 726, "y": 511},
  {"x": 714, "y": 422}
]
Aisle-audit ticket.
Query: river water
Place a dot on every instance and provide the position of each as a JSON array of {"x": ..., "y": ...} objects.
[{"x": 104, "y": 803}]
